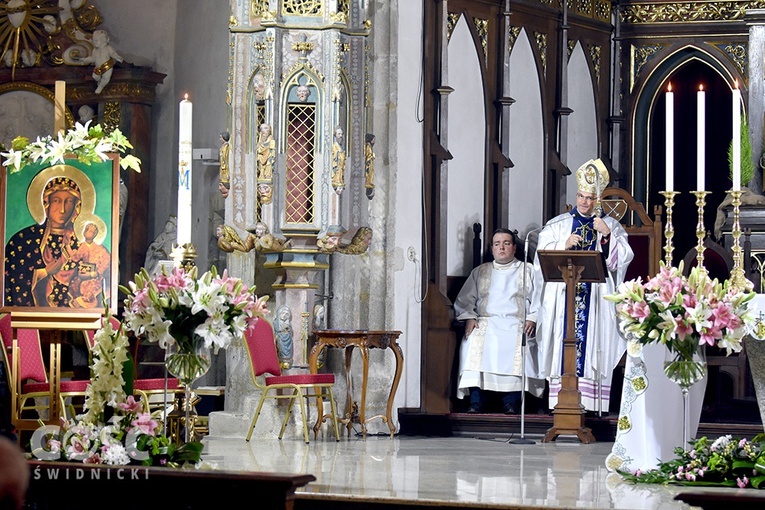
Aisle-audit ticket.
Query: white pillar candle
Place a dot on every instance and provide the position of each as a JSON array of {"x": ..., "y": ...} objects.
[
  {"x": 184, "y": 172},
  {"x": 700, "y": 142},
  {"x": 736, "y": 156},
  {"x": 670, "y": 140}
]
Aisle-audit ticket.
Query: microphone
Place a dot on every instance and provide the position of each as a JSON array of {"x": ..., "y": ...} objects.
[{"x": 522, "y": 439}]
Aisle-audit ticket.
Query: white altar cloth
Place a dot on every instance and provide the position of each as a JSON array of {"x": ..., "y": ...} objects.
[{"x": 650, "y": 424}]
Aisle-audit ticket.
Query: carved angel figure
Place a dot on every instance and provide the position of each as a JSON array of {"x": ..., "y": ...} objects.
[
  {"x": 229, "y": 240},
  {"x": 104, "y": 57},
  {"x": 262, "y": 240},
  {"x": 359, "y": 243}
]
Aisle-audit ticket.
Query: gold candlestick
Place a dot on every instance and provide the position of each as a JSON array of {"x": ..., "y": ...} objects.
[
  {"x": 737, "y": 277},
  {"x": 701, "y": 230},
  {"x": 669, "y": 230},
  {"x": 184, "y": 256}
]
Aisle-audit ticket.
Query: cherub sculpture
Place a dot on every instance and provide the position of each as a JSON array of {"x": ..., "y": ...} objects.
[
  {"x": 104, "y": 57},
  {"x": 331, "y": 240},
  {"x": 359, "y": 243},
  {"x": 229, "y": 239},
  {"x": 260, "y": 239}
]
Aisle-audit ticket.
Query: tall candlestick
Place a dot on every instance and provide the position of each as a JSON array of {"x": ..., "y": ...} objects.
[
  {"x": 736, "y": 153},
  {"x": 670, "y": 140},
  {"x": 184, "y": 172},
  {"x": 700, "y": 143}
]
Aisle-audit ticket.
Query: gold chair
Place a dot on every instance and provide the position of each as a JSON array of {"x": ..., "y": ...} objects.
[
  {"x": 27, "y": 374},
  {"x": 261, "y": 349}
]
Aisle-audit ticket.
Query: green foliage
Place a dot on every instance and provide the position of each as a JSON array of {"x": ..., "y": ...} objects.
[
  {"x": 747, "y": 165},
  {"x": 163, "y": 452},
  {"x": 726, "y": 462}
]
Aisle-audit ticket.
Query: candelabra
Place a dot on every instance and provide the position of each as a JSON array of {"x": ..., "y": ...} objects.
[
  {"x": 701, "y": 231},
  {"x": 669, "y": 230},
  {"x": 184, "y": 256},
  {"x": 737, "y": 277}
]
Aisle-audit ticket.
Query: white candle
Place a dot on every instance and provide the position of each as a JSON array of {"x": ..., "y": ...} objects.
[
  {"x": 700, "y": 143},
  {"x": 184, "y": 172},
  {"x": 670, "y": 140},
  {"x": 736, "y": 156}
]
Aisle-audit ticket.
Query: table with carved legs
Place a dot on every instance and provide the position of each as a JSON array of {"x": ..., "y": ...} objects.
[{"x": 364, "y": 340}]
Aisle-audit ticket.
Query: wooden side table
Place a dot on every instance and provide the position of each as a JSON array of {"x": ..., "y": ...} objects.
[{"x": 364, "y": 340}]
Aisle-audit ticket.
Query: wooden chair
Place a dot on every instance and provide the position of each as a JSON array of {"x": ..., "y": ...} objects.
[
  {"x": 645, "y": 235},
  {"x": 27, "y": 375},
  {"x": 261, "y": 349}
]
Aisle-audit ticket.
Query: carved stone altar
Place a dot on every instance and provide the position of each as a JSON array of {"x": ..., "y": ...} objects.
[{"x": 299, "y": 162}]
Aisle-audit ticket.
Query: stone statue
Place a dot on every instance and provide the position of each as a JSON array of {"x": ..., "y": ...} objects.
[
  {"x": 229, "y": 239},
  {"x": 266, "y": 154},
  {"x": 319, "y": 316},
  {"x": 748, "y": 198},
  {"x": 265, "y": 193},
  {"x": 283, "y": 332},
  {"x": 162, "y": 246},
  {"x": 224, "y": 189},
  {"x": 261, "y": 239},
  {"x": 359, "y": 243},
  {"x": 225, "y": 175},
  {"x": 338, "y": 161},
  {"x": 302, "y": 93},
  {"x": 369, "y": 165},
  {"x": 123, "y": 201},
  {"x": 85, "y": 114},
  {"x": 331, "y": 240},
  {"x": 104, "y": 57},
  {"x": 259, "y": 84}
]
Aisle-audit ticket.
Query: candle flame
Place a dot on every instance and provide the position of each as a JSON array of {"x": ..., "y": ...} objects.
[
  {"x": 669, "y": 87},
  {"x": 186, "y": 97},
  {"x": 701, "y": 88},
  {"x": 735, "y": 83}
]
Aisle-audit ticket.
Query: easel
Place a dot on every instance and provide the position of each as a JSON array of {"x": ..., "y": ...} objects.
[
  {"x": 570, "y": 267},
  {"x": 55, "y": 323}
]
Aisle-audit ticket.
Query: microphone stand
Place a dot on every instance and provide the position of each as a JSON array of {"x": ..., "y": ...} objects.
[
  {"x": 522, "y": 439},
  {"x": 599, "y": 347}
]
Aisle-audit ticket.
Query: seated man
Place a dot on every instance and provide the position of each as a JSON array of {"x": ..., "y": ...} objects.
[{"x": 492, "y": 305}]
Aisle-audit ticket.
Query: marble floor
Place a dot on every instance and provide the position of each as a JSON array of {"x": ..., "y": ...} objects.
[{"x": 486, "y": 472}]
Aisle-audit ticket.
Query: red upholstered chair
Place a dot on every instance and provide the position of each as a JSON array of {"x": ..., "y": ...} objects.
[
  {"x": 28, "y": 376},
  {"x": 261, "y": 349}
]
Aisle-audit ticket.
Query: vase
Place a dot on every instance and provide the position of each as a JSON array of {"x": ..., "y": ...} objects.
[
  {"x": 685, "y": 365},
  {"x": 188, "y": 359}
]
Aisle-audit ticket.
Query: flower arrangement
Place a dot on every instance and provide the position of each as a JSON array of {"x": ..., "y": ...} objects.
[
  {"x": 89, "y": 143},
  {"x": 177, "y": 307},
  {"x": 110, "y": 352},
  {"x": 728, "y": 461},
  {"x": 683, "y": 313},
  {"x": 130, "y": 436}
]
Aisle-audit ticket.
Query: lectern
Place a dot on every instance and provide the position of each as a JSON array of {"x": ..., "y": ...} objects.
[{"x": 570, "y": 267}]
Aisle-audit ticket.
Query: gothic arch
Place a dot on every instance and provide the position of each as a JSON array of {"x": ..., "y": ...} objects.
[
  {"x": 303, "y": 75},
  {"x": 646, "y": 91}
]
